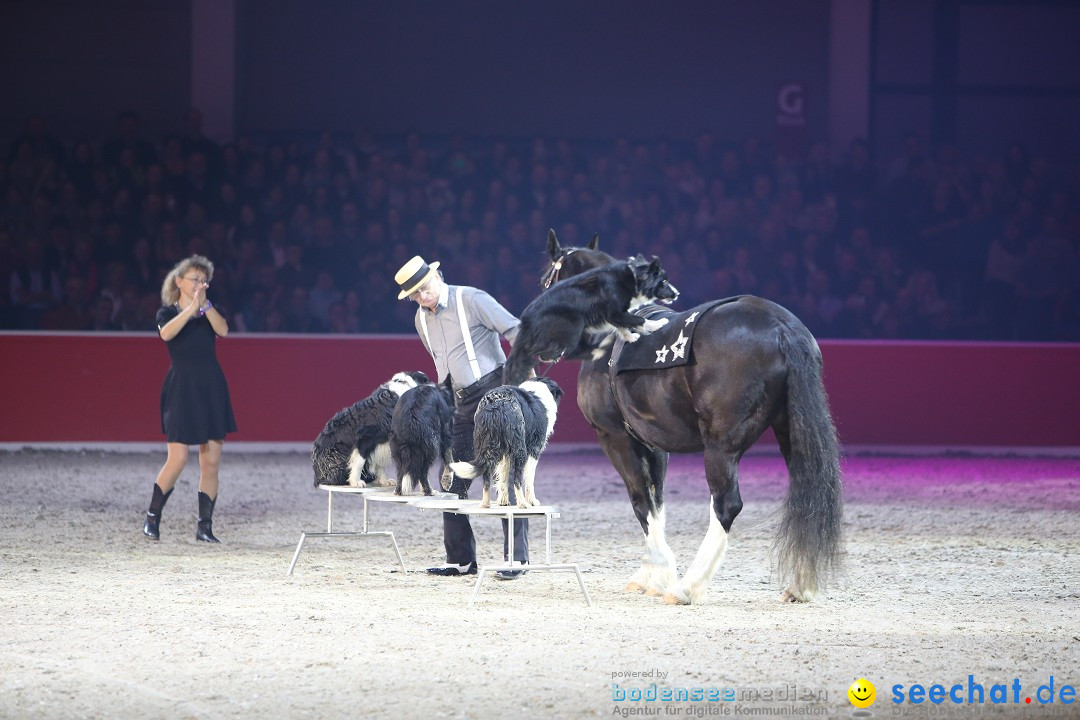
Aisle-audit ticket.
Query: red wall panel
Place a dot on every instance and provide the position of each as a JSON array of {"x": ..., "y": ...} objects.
[{"x": 105, "y": 388}]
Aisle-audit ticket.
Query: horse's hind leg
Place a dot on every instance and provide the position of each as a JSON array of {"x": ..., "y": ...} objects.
[
  {"x": 643, "y": 470},
  {"x": 721, "y": 469}
]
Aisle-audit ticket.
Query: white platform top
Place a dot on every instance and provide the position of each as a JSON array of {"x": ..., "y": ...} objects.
[
  {"x": 390, "y": 497},
  {"x": 358, "y": 490},
  {"x": 472, "y": 507}
]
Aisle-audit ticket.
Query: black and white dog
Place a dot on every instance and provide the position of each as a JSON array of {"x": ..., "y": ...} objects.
[
  {"x": 577, "y": 315},
  {"x": 512, "y": 427},
  {"x": 420, "y": 435},
  {"x": 354, "y": 447}
]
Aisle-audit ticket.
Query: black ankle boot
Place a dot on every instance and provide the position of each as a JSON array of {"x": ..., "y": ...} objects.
[
  {"x": 205, "y": 531},
  {"x": 151, "y": 528}
]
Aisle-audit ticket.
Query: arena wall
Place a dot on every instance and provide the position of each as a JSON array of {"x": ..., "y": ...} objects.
[{"x": 105, "y": 388}]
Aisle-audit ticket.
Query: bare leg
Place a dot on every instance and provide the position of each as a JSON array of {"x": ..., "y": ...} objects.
[
  {"x": 174, "y": 465},
  {"x": 209, "y": 462}
]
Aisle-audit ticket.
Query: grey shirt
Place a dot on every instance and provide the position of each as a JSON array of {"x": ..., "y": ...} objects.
[{"x": 486, "y": 319}]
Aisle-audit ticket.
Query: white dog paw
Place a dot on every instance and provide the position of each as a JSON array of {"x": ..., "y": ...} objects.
[{"x": 653, "y": 325}]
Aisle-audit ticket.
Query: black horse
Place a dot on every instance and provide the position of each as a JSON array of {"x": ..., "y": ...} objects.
[{"x": 753, "y": 365}]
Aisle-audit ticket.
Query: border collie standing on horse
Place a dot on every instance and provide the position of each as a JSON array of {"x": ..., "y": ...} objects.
[
  {"x": 566, "y": 320},
  {"x": 752, "y": 365}
]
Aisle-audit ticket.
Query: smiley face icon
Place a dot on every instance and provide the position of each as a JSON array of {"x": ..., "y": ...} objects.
[{"x": 862, "y": 693}]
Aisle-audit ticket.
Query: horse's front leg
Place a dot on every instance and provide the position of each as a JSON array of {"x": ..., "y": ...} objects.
[
  {"x": 643, "y": 470},
  {"x": 725, "y": 503}
]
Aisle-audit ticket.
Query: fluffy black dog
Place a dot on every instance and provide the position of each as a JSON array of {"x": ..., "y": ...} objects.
[
  {"x": 513, "y": 424},
  {"x": 354, "y": 447},
  {"x": 420, "y": 435},
  {"x": 577, "y": 315}
]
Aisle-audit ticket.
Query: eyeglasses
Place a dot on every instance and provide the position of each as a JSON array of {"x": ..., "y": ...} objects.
[
  {"x": 198, "y": 281},
  {"x": 425, "y": 288}
]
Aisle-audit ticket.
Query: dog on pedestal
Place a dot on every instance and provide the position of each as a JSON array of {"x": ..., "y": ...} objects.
[
  {"x": 512, "y": 426},
  {"x": 420, "y": 436},
  {"x": 354, "y": 447}
]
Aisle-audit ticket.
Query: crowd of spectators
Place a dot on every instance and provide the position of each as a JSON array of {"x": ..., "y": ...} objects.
[{"x": 306, "y": 233}]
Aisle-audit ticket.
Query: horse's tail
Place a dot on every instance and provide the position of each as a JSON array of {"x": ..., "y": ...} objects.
[{"x": 810, "y": 530}]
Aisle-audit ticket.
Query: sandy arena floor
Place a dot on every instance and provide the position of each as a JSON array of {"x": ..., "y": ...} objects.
[{"x": 955, "y": 566}]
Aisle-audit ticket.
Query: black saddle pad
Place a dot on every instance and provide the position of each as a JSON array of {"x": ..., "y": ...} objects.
[{"x": 668, "y": 347}]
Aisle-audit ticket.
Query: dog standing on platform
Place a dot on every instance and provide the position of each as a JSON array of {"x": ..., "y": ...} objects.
[
  {"x": 420, "y": 435},
  {"x": 512, "y": 426},
  {"x": 354, "y": 447},
  {"x": 570, "y": 318}
]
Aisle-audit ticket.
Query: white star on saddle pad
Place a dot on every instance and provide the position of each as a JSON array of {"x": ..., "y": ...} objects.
[
  {"x": 678, "y": 348},
  {"x": 692, "y": 318},
  {"x": 661, "y": 354}
]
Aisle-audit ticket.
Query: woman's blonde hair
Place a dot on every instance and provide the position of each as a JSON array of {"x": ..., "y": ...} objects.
[{"x": 170, "y": 293}]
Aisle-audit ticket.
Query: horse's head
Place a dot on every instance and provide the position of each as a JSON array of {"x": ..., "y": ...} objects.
[
  {"x": 652, "y": 281},
  {"x": 569, "y": 261}
]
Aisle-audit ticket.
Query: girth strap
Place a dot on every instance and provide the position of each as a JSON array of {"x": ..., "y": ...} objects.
[{"x": 613, "y": 362}]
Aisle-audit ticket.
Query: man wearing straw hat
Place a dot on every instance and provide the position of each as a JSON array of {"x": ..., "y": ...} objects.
[{"x": 460, "y": 327}]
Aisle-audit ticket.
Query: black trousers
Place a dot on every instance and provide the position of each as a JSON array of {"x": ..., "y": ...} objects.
[{"x": 457, "y": 531}]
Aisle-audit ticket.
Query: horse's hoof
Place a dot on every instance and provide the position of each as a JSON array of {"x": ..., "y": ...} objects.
[
  {"x": 653, "y": 592},
  {"x": 672, "y": 598},
  {"x": 789, "y": 596},
  {"x": 634, "y": 587},
  {"x": 485, "y": 505}
]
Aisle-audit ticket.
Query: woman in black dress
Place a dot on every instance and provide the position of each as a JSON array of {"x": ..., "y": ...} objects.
[{"x": 195, "y": 405}]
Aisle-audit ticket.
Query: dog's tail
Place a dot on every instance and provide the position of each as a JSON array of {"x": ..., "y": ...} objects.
[{"x": 466, "y": 471}]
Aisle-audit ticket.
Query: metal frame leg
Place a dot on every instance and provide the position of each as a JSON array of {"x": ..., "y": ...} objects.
[
  {"x": 512, "y": 565},
  {"x": 330, "y": 533}
]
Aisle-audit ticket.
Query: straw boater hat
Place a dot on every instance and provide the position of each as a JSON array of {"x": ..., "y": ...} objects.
[{"x": 413, "y": 274}]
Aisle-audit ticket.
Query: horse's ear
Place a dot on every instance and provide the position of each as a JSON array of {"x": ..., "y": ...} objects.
[
  {"x": 595, "y": 242},
  {"x": 553, "y": 245}
]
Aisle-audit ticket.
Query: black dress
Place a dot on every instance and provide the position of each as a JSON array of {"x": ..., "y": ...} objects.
[{"x": 195, "y": 404}]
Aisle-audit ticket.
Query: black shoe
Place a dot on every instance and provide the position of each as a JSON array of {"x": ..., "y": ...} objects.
[
  {"x": 152, "y": 527},
  {"x": 204, "y": 530},
  {"x": 451, "y": 570},
  {"x": 509, "y": 574}
]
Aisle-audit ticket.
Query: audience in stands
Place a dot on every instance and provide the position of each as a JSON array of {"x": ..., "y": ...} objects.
[{"x": 922, "y": 245}]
